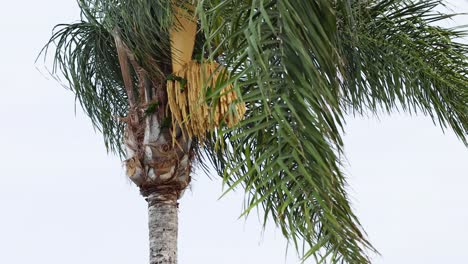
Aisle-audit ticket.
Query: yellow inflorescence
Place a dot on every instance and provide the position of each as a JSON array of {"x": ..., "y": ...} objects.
[{"x": 188, "y": 102}]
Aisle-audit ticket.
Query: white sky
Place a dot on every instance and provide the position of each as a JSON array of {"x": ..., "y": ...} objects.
[{"x": 64, "y": 200}]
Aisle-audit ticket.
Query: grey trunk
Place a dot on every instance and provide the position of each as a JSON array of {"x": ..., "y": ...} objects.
[{"x": 163, "y": 225}]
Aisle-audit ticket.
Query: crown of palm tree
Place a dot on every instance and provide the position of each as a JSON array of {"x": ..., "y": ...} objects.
[{"x": 299, "y": 67}]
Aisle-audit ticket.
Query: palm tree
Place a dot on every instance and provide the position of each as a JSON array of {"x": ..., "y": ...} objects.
[{"x": 260, "y": 89}]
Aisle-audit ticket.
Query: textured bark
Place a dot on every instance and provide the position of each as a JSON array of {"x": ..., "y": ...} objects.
[
  {"x": 163, "y": 225},
  {"x": 157, "y": 162}
]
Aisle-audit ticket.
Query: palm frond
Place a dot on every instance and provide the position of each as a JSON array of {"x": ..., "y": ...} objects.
[
  {"x": 85, "y": 55},
  {"x": 396, "y": 56},
  {"x": 285, "y": 153},
  {"x": 143, "y": 26},
  {"x": 300, "y": 66}
]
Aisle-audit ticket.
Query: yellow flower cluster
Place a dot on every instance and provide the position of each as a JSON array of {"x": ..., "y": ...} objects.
[{"x": 188, "y": 94}]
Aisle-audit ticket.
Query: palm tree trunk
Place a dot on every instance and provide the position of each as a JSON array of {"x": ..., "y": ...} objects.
[
  {"x": 162, "y": 172},
  {"x": 158, "y": 156},
  {"x": 163, "y": 226}
]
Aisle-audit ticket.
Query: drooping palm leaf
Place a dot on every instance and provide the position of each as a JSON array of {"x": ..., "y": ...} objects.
[
  {"x": 285, "y": 151},
  {"x": 300, "y": 66},
  {"x": 85, "y": 55},
  {"x": 396, "y": 56},
  {"x": 143, "y": 26}
]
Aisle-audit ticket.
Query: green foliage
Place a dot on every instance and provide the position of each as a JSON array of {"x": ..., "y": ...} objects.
[
  {"x": 284, "y": 154},
  {"x": 394, "y": 56},
  {"x": 300, "y": 67},
  {"x": 182, "y": 81},
  {"x": 144, "y": 28},
  {"x": 152, "y": 107},
  {"x": 85, "y": 55}
]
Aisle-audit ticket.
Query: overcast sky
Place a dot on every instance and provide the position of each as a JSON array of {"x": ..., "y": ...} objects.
[{"x": 64, "y": 200}]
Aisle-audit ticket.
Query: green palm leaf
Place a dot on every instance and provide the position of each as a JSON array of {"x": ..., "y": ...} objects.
[
  {"x": 85, "y": 55},
  {"x": 285, "y": 152},
  {"x": 396, "y": 57},
  {"x": 300, "y": 66}
]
